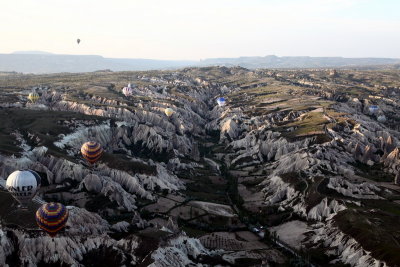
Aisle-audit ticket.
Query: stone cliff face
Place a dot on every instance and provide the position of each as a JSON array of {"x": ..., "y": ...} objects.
[
  {"x": 255, "y": 149},
  {"x": 143, "y": 134},
  {"x": 290, "y": 156}
]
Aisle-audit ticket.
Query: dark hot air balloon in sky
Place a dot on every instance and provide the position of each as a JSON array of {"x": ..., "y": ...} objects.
[{"x": 78, "y": 40}]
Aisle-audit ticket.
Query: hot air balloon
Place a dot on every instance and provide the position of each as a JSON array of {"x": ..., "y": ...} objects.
[
  {"x": 169, "y": 112},
  {"x": 221, "y": 101},
  {"x": 373, "y": 109},
  {"x": 91, "y": 151},
  {"x": 33, "y": 97},
  {"x": 381, "y": 118},
  {"x": 127, "y": 91},
  {"x": 23, "y": 186},
  {"x": 78, "y": 40},
  {"x": 52, "y": 217}
]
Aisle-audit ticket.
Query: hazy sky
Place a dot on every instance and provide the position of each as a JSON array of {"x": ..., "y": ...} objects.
[{"x": 196, "y": 29}]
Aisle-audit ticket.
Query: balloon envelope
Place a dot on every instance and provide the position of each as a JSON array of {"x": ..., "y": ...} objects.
[
  {"x": 381, "y": 118},
  {"x": 33, "y": 97},
  {"x": 22, "y": 185},
  {"x": 52, "y": 217},
  {"x": 221, "y": 101},
  {"x": 127, "y": 91},
  {"x": 373, "y": 109},
  {"x": 169, "y": 112},
  {"x": 78, "y": 40},
  {"x": 91, "y": 151}
]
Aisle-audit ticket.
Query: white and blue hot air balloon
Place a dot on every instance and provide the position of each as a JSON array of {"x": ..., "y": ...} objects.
[
  {"x": 381, "y": 118},
  {"x": 373, "y": 109},
  {"x": 221, "y": 101},
  {"x": 23, "y": 186}
]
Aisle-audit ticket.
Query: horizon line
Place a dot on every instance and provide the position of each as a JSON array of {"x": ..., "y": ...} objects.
[{"x": 45, "y": 53}]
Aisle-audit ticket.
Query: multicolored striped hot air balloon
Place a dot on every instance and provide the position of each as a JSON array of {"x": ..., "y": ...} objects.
[
  {"x": 33, "y": 97},
  {"x": 52, "y": 217},
  {"x": 127, "y": 91},
  {"x": 91, "y": 151}
]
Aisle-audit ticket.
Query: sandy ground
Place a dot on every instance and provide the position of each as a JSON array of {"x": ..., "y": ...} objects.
[
  {"x": 159, "y": 221},
  {"x": 247, "y": 236},
  {"x": 249, "y": 195},
  {"x": 175, "y": 197},
  {"x": 291, "y": 232},
  {"x": 318, "y": 110},
  {"x": 217, "y": 179},
  {"x": 186, "y": 212},
  {"x": 162, "y": 205},
  {"x": 212, "y": 208},
  {"x": 228, "y": 241},
  {"x": 251, "y": 178},
  {"x": 238, "y": 173},
  {"x": 266, "y": 254},
  {"x": 165, "y": 203},
  {"x": 252, "y": 200}
]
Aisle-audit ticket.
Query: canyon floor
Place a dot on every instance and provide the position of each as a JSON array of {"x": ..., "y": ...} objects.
[{"x": 299, "y": 168}]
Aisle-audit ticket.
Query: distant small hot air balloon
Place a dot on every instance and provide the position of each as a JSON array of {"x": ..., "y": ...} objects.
[
  {"x": 52, "y": 217},
  {"x": 127, "y": 91},
  {"x": 373, "y": 109},
  {"x": 221, "y": 101},
  {"x": 23, "y": 186},
  {"x": 91, "y": 151},
  {"x": 381, "y": 118},
  {"x": 78, "y": 40},
  {"x": 33, "y": 97},
  {"x": 169, "y": 112}
]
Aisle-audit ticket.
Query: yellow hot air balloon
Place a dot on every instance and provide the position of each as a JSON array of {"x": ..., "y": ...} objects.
[
  {"x": 169, "y": 112},
  {"x": 33, "y": 97}
]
